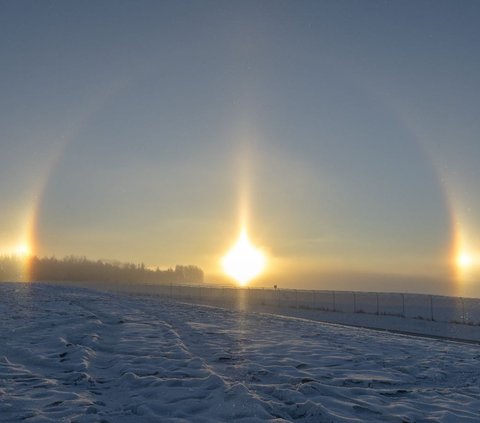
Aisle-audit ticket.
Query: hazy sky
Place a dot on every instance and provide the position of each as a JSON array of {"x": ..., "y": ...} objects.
[{"x": 136, "y": 130}]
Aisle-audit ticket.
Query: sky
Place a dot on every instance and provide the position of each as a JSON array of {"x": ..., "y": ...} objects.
[{"x": 344, "y": 134}]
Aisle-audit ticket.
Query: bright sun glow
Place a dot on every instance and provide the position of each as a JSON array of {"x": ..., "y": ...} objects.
[
  {"x": 22, "y": 250},
  {"x": 244, "y": 261},
  {"x": 464, "y": 260}
]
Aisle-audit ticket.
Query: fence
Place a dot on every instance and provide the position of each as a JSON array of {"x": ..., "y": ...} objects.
[{"x": 416, "y": 306}]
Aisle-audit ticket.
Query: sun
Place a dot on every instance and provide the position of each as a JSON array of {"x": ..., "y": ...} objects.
[{"x": 244, "y": 261}]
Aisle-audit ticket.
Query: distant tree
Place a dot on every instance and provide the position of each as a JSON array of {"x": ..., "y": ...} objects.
[
  {"x": 72, "y": 268},
  {"x": 188, "y": 274}
]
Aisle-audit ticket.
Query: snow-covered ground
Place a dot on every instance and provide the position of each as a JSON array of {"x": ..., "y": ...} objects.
[
  {"x": 416, "y": 314},
  {"x": 76, "y": 355}
]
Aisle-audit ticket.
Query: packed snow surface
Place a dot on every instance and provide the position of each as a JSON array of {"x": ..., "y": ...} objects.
[{"x": 76, "y": 355}]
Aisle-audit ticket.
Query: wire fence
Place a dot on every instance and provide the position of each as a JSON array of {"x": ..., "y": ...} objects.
[{"x": 417, "y": 306}]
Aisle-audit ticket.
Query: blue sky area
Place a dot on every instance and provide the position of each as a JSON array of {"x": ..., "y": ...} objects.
[{"x": 135, "y": 130}]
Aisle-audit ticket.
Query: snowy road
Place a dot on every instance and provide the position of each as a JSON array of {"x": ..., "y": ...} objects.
[{"x": 74, "y": 355}]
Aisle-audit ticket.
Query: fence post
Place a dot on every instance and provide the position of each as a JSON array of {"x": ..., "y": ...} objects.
[{"x": 431, "y": 308}]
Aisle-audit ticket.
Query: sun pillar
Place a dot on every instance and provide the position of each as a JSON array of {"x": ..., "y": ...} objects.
[{"x": 244, "y": 261}]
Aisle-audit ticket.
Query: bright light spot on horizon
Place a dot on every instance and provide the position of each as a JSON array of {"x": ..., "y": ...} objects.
[
  {"x": 464, "y": 260},
  {"x": 244, "y": 261},
  {"x": 22, "y": 250}
]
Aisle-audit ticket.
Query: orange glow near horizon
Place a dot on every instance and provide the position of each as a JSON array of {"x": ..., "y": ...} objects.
[
  {"x": 22, "y": 247},
  {"x": 465, "y": 260},
  {"x": 243, "y": 261},
  {"x": 22, "y": 250},
  {"x": 21, "y": 255}
]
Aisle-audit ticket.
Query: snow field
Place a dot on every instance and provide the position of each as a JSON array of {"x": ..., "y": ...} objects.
[
  {"x": 78, "y": 355},
  {"x": 453, "y": 317}
]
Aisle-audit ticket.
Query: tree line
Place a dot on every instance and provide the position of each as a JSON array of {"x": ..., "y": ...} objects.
[{"x": 81, "y": 269}]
